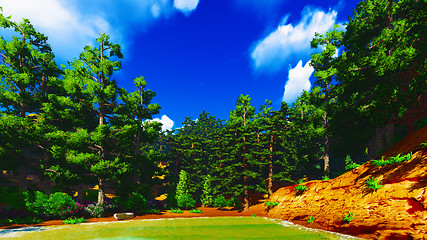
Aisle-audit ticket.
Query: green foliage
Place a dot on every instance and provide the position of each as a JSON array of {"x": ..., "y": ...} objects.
[
  {"x": 220, "y": 202},
  {"x": 392, "y": 160},
  {"x": 300, "y": 188},
  {"x": 325, "y": 178},
  {"x": 95, "y": 210},
  {"x": 207, "y": 195},
  {"x": 234, "y": 202},
  {"x": 423, "y": 145},
  {"x": 373, "y": 183},
  {"x": 253, "y": 215},
  {"x": 74, "y": 220},
  {"x": 176, "y": 211},
  {"x": 136, "y": 202},
  {"x": 310, "y": 219},
  {"x": 349, "y": 164},
  {"x": 186, "y": 201},
  {"x": 23, "y": 220},
  {"x": 52, "y": 205},
  {"x": 183, "y": 197},
  {"x": 271, "y": 203},
  {"x": 12, "y": 197},
  {"x": 348, "y": 217},
  {"x": 196, "y": 211}
]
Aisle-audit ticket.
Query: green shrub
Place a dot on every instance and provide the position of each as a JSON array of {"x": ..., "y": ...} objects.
[
  {"x": 348, "y": 217},
  {"x": 300, "y": 188},
  {"x": 349, "y": 164},
  {"x": 372, "y": 183},
  {"x": 325, "y": 178},
  {"x": 176, "y": 211},
  {"x": 392, "y": 160},
  {"x": 234, "y": 202},
  {"x": 207, "y": 196},
  {"x": 53, "y": 205},
  {"x": 310, "y": 219},
  {"x": 136, "y": 202},
  {"x": 12, "y": 197},
  {"x": 253, "y": 215},
  {"x": 220, "y": 202},
  {"x": 25, "y": 220},
  {"x": 196, "y": 211},
  {"x": 186, "y": 200},
  {"x": 95, "y": 210},
  {"x": 73, "y": 220},
  {"x": 271, "y": 203}
]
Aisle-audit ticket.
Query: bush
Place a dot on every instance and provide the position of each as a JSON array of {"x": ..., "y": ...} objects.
[
  {"x": 12, "y": 197},
  {"x": 310, "y": 219},
  {"x": 196, "y": 211},
  {"x": 234, "y": 202},
  {"x": 325, "y": 178},
  {"x": 220, "y": 202},
  {"x": 136, "y": 202},
  {"x": 56, "y": 205},
  {"x": 176, "y": 211},
  {"x": 372, "y": 183},
  {"x": 73, "y": 220},
  {"x": 186, "y": 200},
  {"x": 95, "y": 210},
  {"x": 300, "y": 188}
]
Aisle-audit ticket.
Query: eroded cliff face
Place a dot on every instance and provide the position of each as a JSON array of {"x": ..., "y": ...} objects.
[{"x": 398, "y": 210}]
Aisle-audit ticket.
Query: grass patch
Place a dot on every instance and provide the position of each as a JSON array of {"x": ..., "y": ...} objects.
[{"x": 74, "y": 220}]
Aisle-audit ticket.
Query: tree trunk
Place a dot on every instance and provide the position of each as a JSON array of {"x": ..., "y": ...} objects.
[
  {"x": 101, "y": 194},
  {"x": 270, "y": 172},
  {"x": 246, "y": 194},
  {"x": 326, "y": 168},
  {"x": 22, "y": 184}
]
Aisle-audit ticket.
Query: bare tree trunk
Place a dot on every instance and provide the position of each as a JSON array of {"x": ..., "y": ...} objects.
[
  {"x": 101, "y": 193},
  {"x": 326, "y": 168},
  {"x": 270, "y": 172}
]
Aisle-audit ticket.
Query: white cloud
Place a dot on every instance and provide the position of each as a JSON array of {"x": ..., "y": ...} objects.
[
  {"x": 298, "y": 80},
  {"x": 276, "y": 50},
  {"x": 166, "y": 121},
  {"x": 186, "y": 6},
  {"x": 70, "y": 25}
]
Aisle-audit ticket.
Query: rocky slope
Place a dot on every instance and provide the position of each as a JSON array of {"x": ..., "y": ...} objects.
[{"x": 395, "y": 211}]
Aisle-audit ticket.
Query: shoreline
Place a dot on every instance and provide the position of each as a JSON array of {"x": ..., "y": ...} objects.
[{"x": 166, "y": 214}]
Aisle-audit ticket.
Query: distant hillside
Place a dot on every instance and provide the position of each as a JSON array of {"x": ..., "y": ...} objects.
[{"x": 395, "y": 211}]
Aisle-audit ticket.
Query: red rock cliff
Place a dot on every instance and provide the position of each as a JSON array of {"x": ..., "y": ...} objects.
[{"x": 395, "y": 211}]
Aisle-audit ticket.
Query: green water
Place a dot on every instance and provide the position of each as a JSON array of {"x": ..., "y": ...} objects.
[{"x": 182, "y": 228}]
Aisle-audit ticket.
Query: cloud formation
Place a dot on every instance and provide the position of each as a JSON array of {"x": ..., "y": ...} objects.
[
  {"x": 277, "y": 49},
  {"x": 298, "y": 80},
  {"x": 186, "y": 6},
  {"x": 166, "y": 121},
  {"x": 71, "y": 25}
]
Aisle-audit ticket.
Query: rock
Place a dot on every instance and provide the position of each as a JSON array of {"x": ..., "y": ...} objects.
[{"x": 396, "y": 211}]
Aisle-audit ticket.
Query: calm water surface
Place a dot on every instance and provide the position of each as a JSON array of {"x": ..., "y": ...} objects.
[{"x": 179, "y": 228}]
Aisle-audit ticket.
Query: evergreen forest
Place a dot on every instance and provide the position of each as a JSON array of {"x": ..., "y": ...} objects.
[{"x": 72, "y": 126}]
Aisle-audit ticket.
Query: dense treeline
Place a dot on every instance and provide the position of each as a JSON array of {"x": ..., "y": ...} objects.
[{"x": 73, "y": 125}]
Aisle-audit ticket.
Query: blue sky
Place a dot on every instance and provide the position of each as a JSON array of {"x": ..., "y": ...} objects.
[{"x": 195, "y": 54}]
